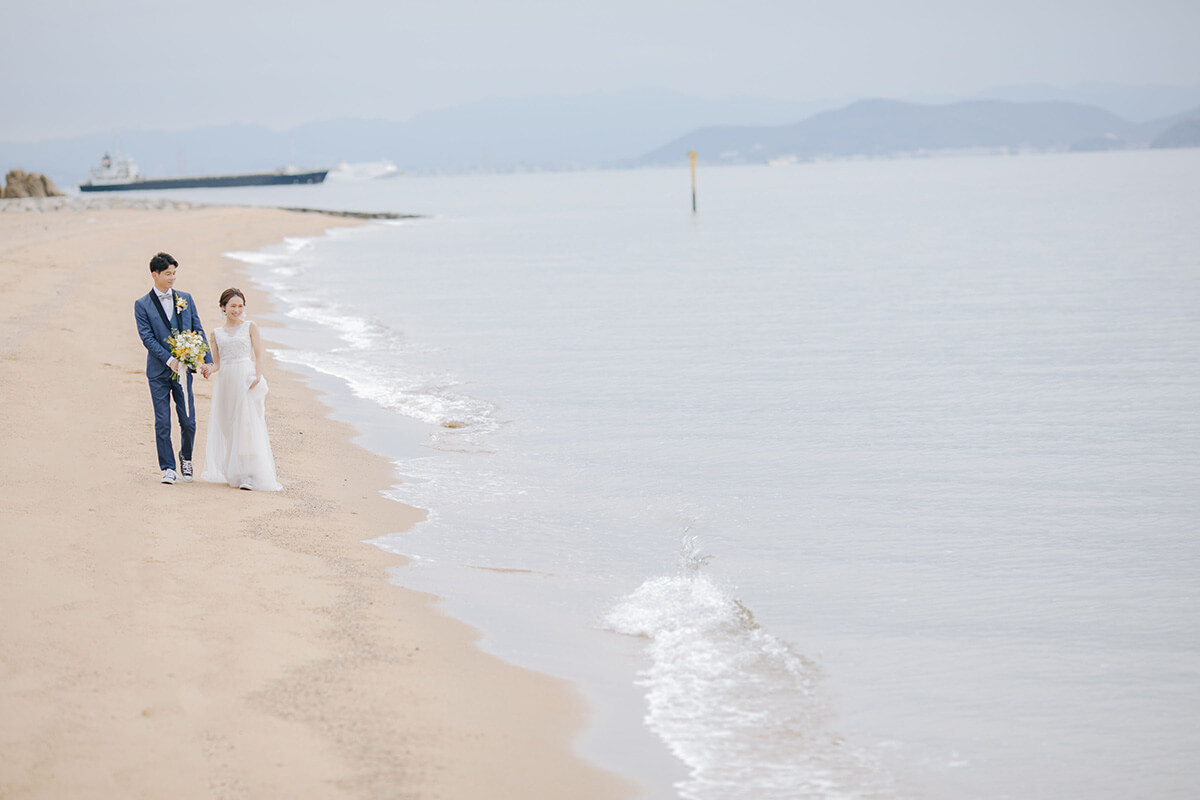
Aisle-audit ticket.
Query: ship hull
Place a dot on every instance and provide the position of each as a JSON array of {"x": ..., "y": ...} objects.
[{"x": 208, "y": 182}]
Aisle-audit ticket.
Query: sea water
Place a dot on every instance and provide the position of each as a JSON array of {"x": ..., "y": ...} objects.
[{"x": 869, "y": 479}]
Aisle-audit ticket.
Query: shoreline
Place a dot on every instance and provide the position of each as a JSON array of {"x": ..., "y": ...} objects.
[
  {"x": 109, "y": 202},
  {"x": 200, "y": 641}
]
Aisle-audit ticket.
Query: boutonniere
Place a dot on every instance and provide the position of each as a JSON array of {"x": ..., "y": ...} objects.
[{"x": 180, "y": 303}]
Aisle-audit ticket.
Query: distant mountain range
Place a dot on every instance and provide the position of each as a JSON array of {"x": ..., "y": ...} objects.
[
  {"x": 1134, "y": 103},
  {"x": 645, "y": 128},
  {"x": 498, "y": 134},
  {"x": 891, "y": 128}
]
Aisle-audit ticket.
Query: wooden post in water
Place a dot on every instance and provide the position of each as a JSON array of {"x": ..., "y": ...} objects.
[{"x": 692, "y": 156}]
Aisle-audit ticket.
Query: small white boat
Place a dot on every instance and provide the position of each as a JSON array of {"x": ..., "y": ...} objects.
[{"x": 364, "y": 171}]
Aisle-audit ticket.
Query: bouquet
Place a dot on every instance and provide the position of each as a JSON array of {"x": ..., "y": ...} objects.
[{"x": 188, "y": 348}]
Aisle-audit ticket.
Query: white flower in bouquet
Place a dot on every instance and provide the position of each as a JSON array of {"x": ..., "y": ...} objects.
[{"x": 188, "y": 348}]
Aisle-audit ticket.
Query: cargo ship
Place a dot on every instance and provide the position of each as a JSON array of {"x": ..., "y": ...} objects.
[{"x": 121, "y": 174}]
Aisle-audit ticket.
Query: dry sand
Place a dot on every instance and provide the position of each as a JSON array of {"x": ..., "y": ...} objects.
[{"x": 196, "y": 641}]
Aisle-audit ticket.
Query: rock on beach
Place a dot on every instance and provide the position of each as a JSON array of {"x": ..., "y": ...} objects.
[{"x": 19, "y": 183}]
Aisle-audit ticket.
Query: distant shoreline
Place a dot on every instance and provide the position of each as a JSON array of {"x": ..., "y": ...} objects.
[{"x": 103, "y": 203}]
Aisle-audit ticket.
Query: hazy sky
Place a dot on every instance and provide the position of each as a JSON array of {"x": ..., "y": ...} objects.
[{"x": 69, "y": 67}]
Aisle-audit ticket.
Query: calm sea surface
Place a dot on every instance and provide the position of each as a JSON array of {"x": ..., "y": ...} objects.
[{"x": 871, "y": 479}]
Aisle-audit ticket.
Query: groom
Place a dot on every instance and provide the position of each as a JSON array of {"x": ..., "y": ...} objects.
[{"x": 160, "y": 314}]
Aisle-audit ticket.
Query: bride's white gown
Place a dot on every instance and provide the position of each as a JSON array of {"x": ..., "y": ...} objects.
[{"x": 238, "y": 447}]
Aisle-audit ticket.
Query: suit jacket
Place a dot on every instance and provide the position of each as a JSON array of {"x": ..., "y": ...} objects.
[{"x": 155, "y": 328}]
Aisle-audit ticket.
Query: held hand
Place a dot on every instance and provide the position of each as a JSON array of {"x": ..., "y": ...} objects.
[
  {"x": 175, "y": 366},
  {"x": 205, "y": 370},
  {"x": 257, "y": 378}
]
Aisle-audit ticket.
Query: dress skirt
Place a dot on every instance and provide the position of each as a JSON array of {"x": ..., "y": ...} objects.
[{"x": 238, "y": 448}]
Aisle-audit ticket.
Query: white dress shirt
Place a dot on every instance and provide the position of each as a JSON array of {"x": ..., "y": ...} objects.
[{"x": 165, "y": 300}]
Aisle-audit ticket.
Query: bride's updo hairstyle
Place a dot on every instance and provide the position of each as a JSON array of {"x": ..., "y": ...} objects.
[{"x": 231, "y": 293}]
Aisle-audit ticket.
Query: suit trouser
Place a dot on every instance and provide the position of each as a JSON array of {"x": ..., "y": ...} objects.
[{"x": 162, "y": 390}]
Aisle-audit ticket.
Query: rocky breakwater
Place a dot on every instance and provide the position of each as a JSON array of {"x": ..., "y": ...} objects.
[
  {"x": 92, "y": 202},
  {"x": 19, "y": 183},
  {"x": 76, "y": 203}
]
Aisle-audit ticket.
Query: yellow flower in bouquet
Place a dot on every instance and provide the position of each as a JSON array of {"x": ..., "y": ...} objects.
[{"x": 188, "y": 348}]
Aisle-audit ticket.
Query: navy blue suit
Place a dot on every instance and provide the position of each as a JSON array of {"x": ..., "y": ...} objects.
[{"x": 155, "y": 327}]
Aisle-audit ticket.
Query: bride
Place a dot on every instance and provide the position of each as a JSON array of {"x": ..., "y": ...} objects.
[{"x": 238, "y": 450}]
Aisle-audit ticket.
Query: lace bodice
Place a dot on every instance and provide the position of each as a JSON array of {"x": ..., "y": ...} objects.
[{"x": 234, "y": 343}]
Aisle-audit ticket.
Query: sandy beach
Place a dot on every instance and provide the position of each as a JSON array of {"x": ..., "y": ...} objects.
[{"x": 195, "y": 641}]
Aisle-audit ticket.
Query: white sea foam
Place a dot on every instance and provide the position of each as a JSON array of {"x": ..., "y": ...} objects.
[
  {"x": 737, "y": 705},
  {"x": 359, "y": 333},
  {"x": 283, "y": 252},
  {"x": 256, "y": 259},
  {"x": 374, "y": 365},
  {"x": 430, "y": 399}
]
